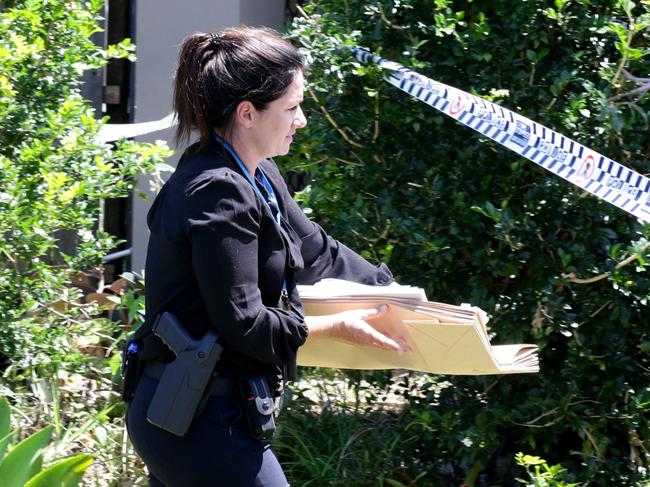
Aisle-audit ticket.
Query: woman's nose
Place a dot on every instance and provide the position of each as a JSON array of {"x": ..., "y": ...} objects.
[{"x": 300, "y": 120}]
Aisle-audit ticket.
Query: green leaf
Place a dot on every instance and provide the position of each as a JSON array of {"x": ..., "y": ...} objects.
[
  {"x": 18, "y": 463},
  {"x": 394, "y": 483},
  {"x": 66, "y": 473},
  {"x": 5, "y": 418},
  {"x": 628, "y": 6},
  {"x": 4, "y": 443}
]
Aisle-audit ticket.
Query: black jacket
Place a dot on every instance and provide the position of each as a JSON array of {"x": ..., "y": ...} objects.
[{"x": 217, "y": 258}]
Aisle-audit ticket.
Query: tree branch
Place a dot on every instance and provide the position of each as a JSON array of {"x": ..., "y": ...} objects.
[
  {"x": 644, "y": 86},
  {"x": 331, "y": 120},
  {"x": 388, "y": 22},
  {"x": 571, "y": 277}
]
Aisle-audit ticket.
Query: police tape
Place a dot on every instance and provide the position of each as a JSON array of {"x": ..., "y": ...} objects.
[
  {"x": 581, "y": 166},
  {"x": 110, "y": 132}
]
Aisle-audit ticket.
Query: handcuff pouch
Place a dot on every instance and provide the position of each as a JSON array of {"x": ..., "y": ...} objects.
[{"x": 259, "y": 406}]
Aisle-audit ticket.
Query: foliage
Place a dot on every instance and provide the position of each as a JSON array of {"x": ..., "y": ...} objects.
[
  {"x": 345, "y": 443},
  {"x": 54, "y": 172},
  {"x": 540, "y": 473},
  {"x": 59, "y": 358},
  {"x": 455, "y": 213},
  {"x": 22, "y": 465},
  {"x": 84, "y": 407}
]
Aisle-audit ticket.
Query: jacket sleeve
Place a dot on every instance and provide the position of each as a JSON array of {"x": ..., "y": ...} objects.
[
  {"x": 223, "y": 225},
  {"x": 326, "y": 257}
]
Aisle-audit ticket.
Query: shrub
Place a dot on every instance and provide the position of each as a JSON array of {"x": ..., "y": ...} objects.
[
  {"x": 455, "y": 213},
  {"x": 541, "y": 474},
  {"x": 22, "y": 465},
  {"x": 53, "y": 174}
]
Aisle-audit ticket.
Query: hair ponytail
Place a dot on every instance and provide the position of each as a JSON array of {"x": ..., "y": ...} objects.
[{"x": 188, "y": 105}]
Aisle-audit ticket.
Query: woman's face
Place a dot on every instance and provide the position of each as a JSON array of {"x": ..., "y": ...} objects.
[{"x": 272, "y": 129}]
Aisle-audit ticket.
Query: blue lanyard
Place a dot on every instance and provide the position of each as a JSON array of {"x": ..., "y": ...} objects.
[
  {"x": 269, "y": 189},
  {"x": 262, "y": 177}
]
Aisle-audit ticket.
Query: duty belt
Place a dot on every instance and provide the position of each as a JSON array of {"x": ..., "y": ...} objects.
[{"x": 218, "y": 386}]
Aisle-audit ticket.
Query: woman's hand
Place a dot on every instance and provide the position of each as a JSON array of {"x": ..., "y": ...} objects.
[{"x": 352, "y": 327}]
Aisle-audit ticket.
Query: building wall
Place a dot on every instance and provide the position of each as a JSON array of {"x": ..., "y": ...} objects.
[{"x": 160, "y": 27}]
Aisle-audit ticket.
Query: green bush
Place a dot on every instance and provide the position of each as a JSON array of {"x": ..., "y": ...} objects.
[
  {"x": 57, "y": 357},
  {"x": 343, "y": 444},
  {"x": 22, "y": 464},
  {"x": 455, "y": 213},
  {"x": 542, "y": 474},
  {"x": 53, "y": 174}
]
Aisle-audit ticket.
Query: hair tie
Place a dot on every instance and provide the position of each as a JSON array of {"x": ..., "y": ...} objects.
[{"x": 214, "y": 40}]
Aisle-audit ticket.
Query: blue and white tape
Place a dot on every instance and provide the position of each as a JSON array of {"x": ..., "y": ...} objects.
[{"x": 586, "y": 168}]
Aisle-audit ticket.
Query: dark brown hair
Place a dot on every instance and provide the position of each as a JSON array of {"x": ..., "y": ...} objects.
[{"x": 218, "y": 71}]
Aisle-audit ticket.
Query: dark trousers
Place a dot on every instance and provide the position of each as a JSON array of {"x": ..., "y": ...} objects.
[{"x": 218, "y": 449}]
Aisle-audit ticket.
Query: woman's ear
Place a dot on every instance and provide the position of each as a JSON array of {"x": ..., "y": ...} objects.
[{"x": 244, "y": 114}]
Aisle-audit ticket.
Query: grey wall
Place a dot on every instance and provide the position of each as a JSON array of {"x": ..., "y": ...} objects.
[
  {"x": 160, "y": 27},
  {"x": 262, "y": 12}
]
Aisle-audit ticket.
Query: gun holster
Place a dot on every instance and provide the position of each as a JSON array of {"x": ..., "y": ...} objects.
[
  {"x": 184, "y": 380},
  {"x": 259, "y": 406}
]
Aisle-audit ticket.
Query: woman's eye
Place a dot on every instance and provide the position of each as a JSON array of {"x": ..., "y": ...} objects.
[{"x": 293, "y": 108}]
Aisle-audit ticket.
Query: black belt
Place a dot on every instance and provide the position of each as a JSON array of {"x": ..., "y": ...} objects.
[{"x": 218, "y": 386}]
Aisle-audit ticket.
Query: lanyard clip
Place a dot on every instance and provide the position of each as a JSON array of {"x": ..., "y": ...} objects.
[{"x": 284, "y": 299}]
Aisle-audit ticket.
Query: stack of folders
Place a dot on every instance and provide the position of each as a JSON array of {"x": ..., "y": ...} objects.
[{"x": 445, "y": 339}]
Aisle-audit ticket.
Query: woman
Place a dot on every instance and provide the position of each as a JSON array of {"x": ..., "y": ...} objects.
[{"x": 227, "y": 247}]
